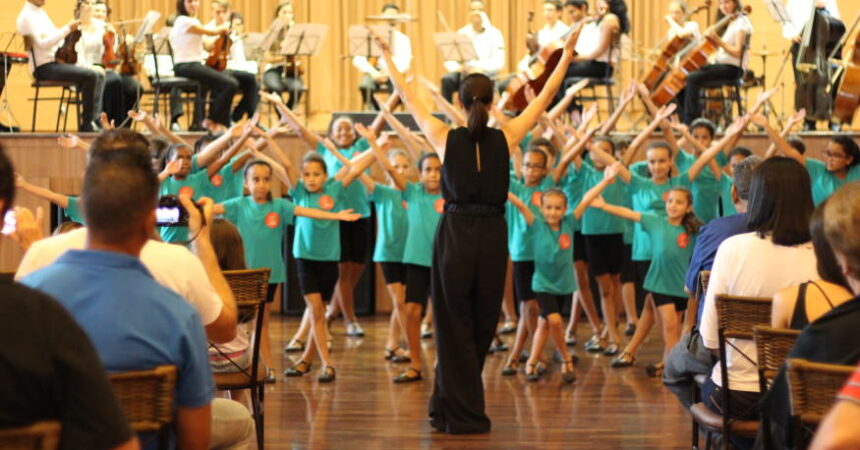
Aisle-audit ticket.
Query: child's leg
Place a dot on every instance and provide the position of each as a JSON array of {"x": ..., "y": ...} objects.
[
  {"x": 529, "y": 312},
  {"x": 538, "y": 341},
  {"x": 556, "y": 331},
  {"x": 398, "y": 318},
  {"x": 508, "y": 307},
  {"x": 628, "y": 297},
  {"x": 575, "y": 312},
  {"x": 607, "y": 283},
  {"x": 349, "y": 275},
  {"x": 428, "y": 315},
  {"x": 646, "y": 322},
  {"x": 304, "y": 327},
  {"x": 671, "y": 326},
  {"x": 413, "y": 333},
  {"x": 586, "y": 297},
  {"x": 318, "y": 328}
]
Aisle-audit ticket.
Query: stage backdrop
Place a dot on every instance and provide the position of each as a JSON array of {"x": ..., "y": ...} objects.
[{"x": 332, "y": 79}]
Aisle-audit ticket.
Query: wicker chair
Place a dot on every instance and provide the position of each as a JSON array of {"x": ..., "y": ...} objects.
[
  {"x": 772, "y": 346},
  {"x": 37, "y": 436},
  {"x": 813, "y": 388},
  {"x": 249, "y": 288},
  {"x": 736, "y": 317},
  {"x": 147, "y": 399}
]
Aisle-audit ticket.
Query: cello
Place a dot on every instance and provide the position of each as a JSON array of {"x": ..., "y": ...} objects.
[
  {"x": 538, "y": 72},
  {"x": 697, "y": 57},
  {"x": 848, "y": 95},
  {"x": 668, "y": 51}
]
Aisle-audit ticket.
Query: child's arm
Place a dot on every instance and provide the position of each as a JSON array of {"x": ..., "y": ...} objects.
[
  {"x": 780, "y": 142},
  {"x": 218, "y": 209},
  {"x": 289, "y": 116},
  {"x": 608, "y": 178},
  {"x": 210, "y": 151},
  {"x": 645, "y": 96},
  {"x": 615, "y": 210},
  {"x": 170, "y": 169},
  {"x": 405, "y": 134},
  {"x": 527, "y": 213},
  {"x": 565, "y": 101},
  {"x": 215, "y": 167},
  {"x": 346, "y": 215},
  {"x": 286, "y": 176},
  {"x": 569, "y": 155},
  {"x": 659, "y": 118},
  {"x": 793, "y": 120},
  {"x": 73, "y": 141},
  {"x": 517, "y": 158},
  {"x": 357, "y": 166},
  {"x": 45, "y": 193},
  {"x": 454, "y": 114},
  {"x": 268, "y": 141},
  {"x": 400, "y": 181},
  {"x": 384, "y": 105},
  {"x": 623, "y": 102},
  {"x": 707, "y": 156}
]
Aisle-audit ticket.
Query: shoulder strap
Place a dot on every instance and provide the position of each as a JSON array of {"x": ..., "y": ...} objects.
[{"x": 823, "y": 293}]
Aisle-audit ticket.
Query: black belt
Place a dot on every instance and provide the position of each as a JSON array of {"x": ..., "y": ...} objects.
[{"x": 475, "y": 210}]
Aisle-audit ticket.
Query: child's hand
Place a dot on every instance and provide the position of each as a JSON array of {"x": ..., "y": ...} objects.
[
  {"x": 173, "y": 167},
  {"x": 69, "y": 141},
  {"x": 28, "y": 228},
  {"x": 759, "y": 120},
  {"x": 589, "y": 114},
  {"x": 628, "y": 94},
  {"x": 665, "y": 111},
  {"x": 271, "y": 97},
  {"x": 20, "y": 182},
  {"x": 530, "y": 93},
  {"x": 797, "y": 117},
  {"x": 347, "y": 215},
  {"x": 137, "y": 116},
  {"x": 196, "y": 221},
  {"x": 598, "y": 202},
  {"x": 611, "y": 172},
  {"x": 365, "y": 132},
  {"x": 106, "y": 123},
  {"x": 576, "y": 87}
]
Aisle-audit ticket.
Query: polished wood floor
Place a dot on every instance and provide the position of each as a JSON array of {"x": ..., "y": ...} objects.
[{"x": 605, "y": 408}]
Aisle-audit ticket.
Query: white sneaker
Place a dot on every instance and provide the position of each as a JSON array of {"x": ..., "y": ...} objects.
[
  {"x": 354, "y": 329},
  {"x": 426, "y": 331}
]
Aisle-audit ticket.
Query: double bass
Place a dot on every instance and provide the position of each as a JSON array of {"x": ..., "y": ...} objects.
[
  {"x": 848, "y": 94},
  {"x": 675, "y": 80},
  {"x": 668, "y": 51},
  {"x": 821, "y": 37},
  {"x": 541, "y": 67}
]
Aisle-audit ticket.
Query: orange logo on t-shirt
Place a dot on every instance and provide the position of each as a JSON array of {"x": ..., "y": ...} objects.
[
  {"x": 186, "y": 190},
  {"x": 272, "y": 220},
  {"x": 564, "y": 241},
  {"x": 216, "y": 180},
  {"x": 439, "y": 205},
  {"x": 326, "y": 202},
  {"x": 405, "y": 205},
  {"x": 665, "y": 196},
  {"x": 683, "y": 240},
  {"x": 536, "y": 197}
]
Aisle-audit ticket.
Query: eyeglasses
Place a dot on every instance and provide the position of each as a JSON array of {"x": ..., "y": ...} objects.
[
  {"x": 533, "y": 166},
  {"x": 829, "y": 154}
]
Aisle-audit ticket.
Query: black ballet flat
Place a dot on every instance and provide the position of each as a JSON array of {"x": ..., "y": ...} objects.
[
  {"x": 511, "y": 368},
  {"x": 298, "y": 369},
  {"x": 568, "y": 373},
  {"x": 407, "y": 376},
  {"x": 630, "y": 329},
  {"x": 391, "y": 354},
  {"x": 327, "y": 374},
  {"x": 533, "y": 372}
]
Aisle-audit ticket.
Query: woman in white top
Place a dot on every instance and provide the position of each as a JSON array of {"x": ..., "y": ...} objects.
[
  {"x": 278, "y": 75},
  {"x": 186, "y": 37},
  {"x": 223, "y": 15},
  {"x": 728, "y": 64},
  {"x": 777, "y": 254},
  {"x": 120, "y": 91}
]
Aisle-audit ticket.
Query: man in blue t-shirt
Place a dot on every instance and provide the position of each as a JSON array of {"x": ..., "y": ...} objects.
[{"x": 689, "y": 357}]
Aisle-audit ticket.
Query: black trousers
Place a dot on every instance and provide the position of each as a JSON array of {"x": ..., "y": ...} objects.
[
  {"x": 275, "y": 81},
  {"x": 120, "y": 95},
  {"x": 222, "y": 85},
  {"x": 90, "y": 83},
  {"x": 250, "y": 94},
  {"x": 590, "y": 69},
  {"x": 691, "y": 106},
  {"x": 368, "y": 87},
  {"x": 450, "y": 84},
  {"x": 467, "y": 285}
]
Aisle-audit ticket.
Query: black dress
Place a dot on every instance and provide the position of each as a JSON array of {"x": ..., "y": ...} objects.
[{"x": 468, "y": 274}]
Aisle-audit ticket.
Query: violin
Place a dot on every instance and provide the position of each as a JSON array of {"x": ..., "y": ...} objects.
[
  {"x": 109, "y": 59},
  {"x": 67, "y": 54},
  {"x": 668, "y": 51},
  {"x": 128, "y": 64},
  {"x": 221, "y": 51},
  {"x": 697, "y": 57}
]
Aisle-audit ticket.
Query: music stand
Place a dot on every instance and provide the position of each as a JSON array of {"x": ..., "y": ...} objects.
[
  {"x": 146, "y": 28},
  {"x": 4, "y": 99},
  {"x": 361, "y": 42},
  {"x": 304, "y": 39},
  {"x": 455, "y": 47}
]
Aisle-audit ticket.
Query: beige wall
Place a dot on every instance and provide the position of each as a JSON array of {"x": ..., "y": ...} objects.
[{"x": 333, "y": 80}]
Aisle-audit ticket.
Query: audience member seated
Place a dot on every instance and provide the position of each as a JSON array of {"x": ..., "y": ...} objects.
[
  {"x": 46, "y": 356},
  {"x": 839, "y": 429},
  {"x": 831, "y": 338},
  {"x": 754, "y": 264},
  {"x": 199, "y": 281},
  {"x": 134, "y": 322},
  {"x": 689, "y": 357}
]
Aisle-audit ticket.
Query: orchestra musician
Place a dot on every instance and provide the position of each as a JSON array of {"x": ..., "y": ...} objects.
[
  {"x": 222, "y": 15},
  {"x": 553, "y": 29},
  {"x": 120, "y": 91},
  {"x": 807, "y": 95},
  {"x": 679, "y": 25},
  {"x": 489, "y": 46},
  {"x": 279, "y": 74},
  {"x": 44, "y": 38},
  {"x": 376, "y": 77},
  {"x": 727, "y": 64}
]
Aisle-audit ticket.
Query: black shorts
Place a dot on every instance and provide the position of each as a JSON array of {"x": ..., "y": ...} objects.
[
  {"x": 417, "y": 284},
  {"x": 355, "y": 240},
  {"x": 270, "y": 294},
  {"x": 524, "y": 271},
  {"x": 579, "y": 253},
  {"x": 604, "y": 253},
  {"x": 628, "y": 268},
  {"x": 317, "y": 277},
  {"x": 663, "y": 299},
  {"x": 551, "y": 303},
  {"x": 393, "y": 272}
]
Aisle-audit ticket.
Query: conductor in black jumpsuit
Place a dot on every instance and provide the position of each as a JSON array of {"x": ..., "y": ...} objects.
[{"x": 470, "y": 248}]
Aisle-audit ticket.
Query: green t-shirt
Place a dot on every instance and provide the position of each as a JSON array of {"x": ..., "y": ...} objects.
[
  {"x": 706, "y": 191},
  {"x": 726, "y": 195},
  {"x": 73, "y": 212},
  {"x": 226, "y": 184},
  {"x": 519, "y": 240},
  {"x": 195, "y": 186},
  {"x": 824, "y": 182},
  {"x": 553, "y": 256},
  {"x": 262, "y": 227},
  {"x": 423, "y": 211},
  {"x": 318, "y": 240},
  {"x": 594, "y": 220},
  {"x": 392, "y": 224},
  {"x": 354, "y": 196},
  {"x": 672, "y": 249},
  {"x": 649, "y": 197},
  {"x": 571, "y": 185}
]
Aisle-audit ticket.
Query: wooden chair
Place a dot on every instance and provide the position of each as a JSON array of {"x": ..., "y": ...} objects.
[
  {"x": 147, "y": 399},
  {"x": 736, "y": 317},
  {"x": 249, "y": 288},
  {"x": 37, "y": 436},
  {"x": 813, "y": 388}
]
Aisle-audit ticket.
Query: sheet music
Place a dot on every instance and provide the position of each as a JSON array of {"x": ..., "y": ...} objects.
[
  {"x": 359, "y": 37},
  {"x": 146, "y": 28},
  {"x": 304, "y": 39}
]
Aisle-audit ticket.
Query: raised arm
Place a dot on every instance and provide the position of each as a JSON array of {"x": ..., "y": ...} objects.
[
  {"x": 623, "y": 102},
  {"x": 527, "y": 213},
  {"x": 384, "y": 105},
  {"x": 565, "y": 101},
  {"x": 777, "y": 139},
  {"x": 589, "y": 197},
  {"x": 45, "y": 193},
  {"x": 571, "y": 152},
  {"x": 73, "y": 141},
  {"x": 400, "y": 181},
  {"x": 434, "y": 129},
  {"x": 645, "y": 96},
  {"x": 517, "y": 127},
  {"x": 659, "y": 118},
  {"x": 453, "y": 113},
  {"x": 287, "y": 115},
  {"x": 793, "y": 120}
]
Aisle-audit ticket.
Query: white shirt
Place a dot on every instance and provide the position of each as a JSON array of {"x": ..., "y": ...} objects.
[
  {"x": 732, "y": 37},
  {"x": 90, "y": 47},
  {"x": 589, "y": 40},
  {"x": 33, "y": 21},
  {"x": 691, "y": 29},
  {"x": 748, "y": 265},
  {"x": 489, "y": 46},
  {"x": 236, "y": 60},
  {"x": 545, "y": 35},
  {"x": 173, "y": 266},
  {"x": 799, "y": 12},
  {"x": 187, "y": 46},
  {"x": 401, "y": 52}
]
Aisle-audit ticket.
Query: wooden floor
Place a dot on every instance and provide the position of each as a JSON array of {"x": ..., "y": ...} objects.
[{"x": 605, "y": 408}]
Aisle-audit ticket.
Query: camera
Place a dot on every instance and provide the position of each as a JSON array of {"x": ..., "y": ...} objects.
[{"x": 170, "y": 213}]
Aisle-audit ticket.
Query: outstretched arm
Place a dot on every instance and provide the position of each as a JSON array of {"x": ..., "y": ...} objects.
[
  {"x": 288, "y": 116},
  {"x": 400, "y": 181},
  {"x": 527, "y": 213},
  {"x": 660, "y": 117},
  {"x": 346, "y": 215},
  {"x": 574, "y": 152},
  {"x": 645, "y": 96},
  {"x": 589, "y": 197},
  {"x": 793, "y": 120},
  {"x": 454, "y": 114},
  {"x": 709, "y": 154},
  {"x": 623, "y": 102},
  {"x": 73, "y": 141},
  {"x": 565, "y": 101},
  {"x": 45, "y": 193},
  {"x": 780, "y": 142}
]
